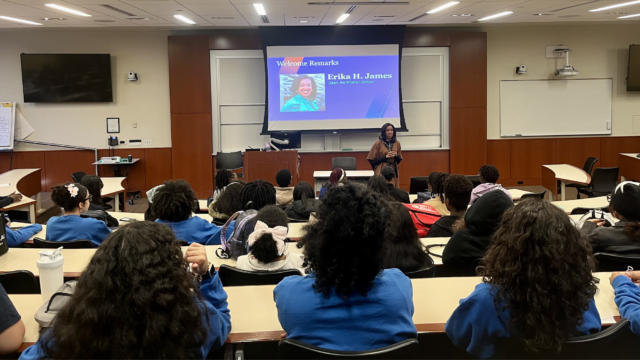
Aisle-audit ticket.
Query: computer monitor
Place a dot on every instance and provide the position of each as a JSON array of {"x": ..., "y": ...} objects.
[{"x": 294, "y": 138}]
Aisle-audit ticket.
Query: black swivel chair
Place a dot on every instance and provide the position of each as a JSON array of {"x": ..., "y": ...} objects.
[
  {"x": 294, "y": 349},
  {"x": 73, "y": 244},
  {"x": 418, "y": 184},
  {"x": 230, "y": 276},
  {"x": 428, "y": 271},
  {"x": 616, "y": 342},
  {"x": 475, "y": 179},
  {"x": 582, "y": 210},
  {"x": 77, "y": 176},
  {"x": 616, "y": 262},
  {"x": 20, "y": 282},
  {"x": 346, "y": 163},
  {"x": 588, "y": 168},
  {"x": 230, "y": 161},
  {"x": 533, "y": 195},
  {"x": 603, "y": 181}
]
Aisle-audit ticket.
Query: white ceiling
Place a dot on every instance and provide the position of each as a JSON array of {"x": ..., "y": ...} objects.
[{"x": 241, "y": 13}]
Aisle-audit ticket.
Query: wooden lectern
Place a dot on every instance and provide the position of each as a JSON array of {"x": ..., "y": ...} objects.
[{"x": 266, "y": 164}]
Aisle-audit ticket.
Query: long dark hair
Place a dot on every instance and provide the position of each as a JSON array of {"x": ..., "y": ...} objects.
[
  {"x": 436, "y": 180},
  {"x": 402, "y": 246},
  {"x": 135, "y": 299},
  {"x": 223, "y": 177},
  {"x": 542, "y": 271},
  {"x": 378, "y": 184},
  {"x": 93, "y": 185},
  {"x": 265, "y": 249},
  {"x": 303, "y": 192},
  {"x": 296, "y": 84},
  {"x": 229, "y": 201},
  {"x": 383, "y": 135},
  {"x": 344, "y": 246}
]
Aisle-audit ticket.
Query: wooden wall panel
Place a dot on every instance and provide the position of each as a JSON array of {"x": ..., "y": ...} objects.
[
  {"x": 528, "y": 156},
  {"x": 418, "y": 37},
  {"x": 499, "y": 155},
  {"x": 189, "y": 79},
  {"x": 468, "y": 140},
  {"x": 157, "y": 167},
  {"x": 468, "y": 70},
  {"x": 31, "y": 160},
  {"x": 422, "y": 163},
  {"x": 191, "y": 152},
  {"x": 136, "y": 179},
  {"x": 59, "y": 165},
  {"x": 5, "y": 161},
  {"x": 610, "y": 147},
  {"x": 575, "y": 151}
]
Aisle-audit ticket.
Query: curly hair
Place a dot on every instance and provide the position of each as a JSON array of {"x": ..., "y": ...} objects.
[
  {"x": 283, "y": 178},
  {"x": 223, "y": 178},
  {"x": 174, "y": 202},
  {"x": 344, "y": 247},
  {"x": 489, "y": 174},
  {"x": 295, "y": 84},
  {"x": 402, "y": 246},
  {"x": 94, "y": 185},
  {"x": 265, "y": 249},
  {"x": 257, "y": 194},
  {"x": 542, "y": 271},
  {"x": 436, "y": 180},
  {"x": 61, "y": 196},
  {"x": 457, "y": 189},
  {"x": 378, "y": 184},
  {"x": 383, "y": 132},
  {"x": 135, "y": 299},
  {"x": 229, "y": 201}
]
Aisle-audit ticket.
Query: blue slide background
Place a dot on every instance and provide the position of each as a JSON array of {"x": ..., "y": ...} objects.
[{"x": 374, "y": 98}]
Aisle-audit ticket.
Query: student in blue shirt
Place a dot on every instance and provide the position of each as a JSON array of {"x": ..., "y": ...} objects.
[
  {"x": 17, "y": 237},
  {"x": 137, "y": 299},
  {"x": 173, "y": 205},
  {"x": 625, "y": 285},
  {"x": 74, "y": 199},
  {"x": 537, "y": 285},
  {"x": 347, "y": 301}
]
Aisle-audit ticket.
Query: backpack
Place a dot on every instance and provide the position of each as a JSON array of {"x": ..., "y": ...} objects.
[
  {"x": 423, "y": 197},
  {"x": 423, "y": 216},
  {"x": 48, "y": 311},
  {"x": 596, "y": 214},
  {"x": 234, "y": 247}
]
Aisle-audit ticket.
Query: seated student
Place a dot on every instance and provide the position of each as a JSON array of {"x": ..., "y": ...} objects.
[
  {"x": 74, "y": 199},
  {"x": 254, "y": 196},
  {"x": 137, "y": 298},
  {"x": 17, "y": 237},
  {"x": 284, "y": 190},
  {"x": 489, "y": 175},
  {"x": 436, "y": 187},
  {"x": 347, "y": 301},
  {"x": 338, "y": 177},
  {"x": 94, "y": 185},
  {"x": 304, "y": 202},
  {"x": 10, "y": 199},
  {"x": 624, "y": 236},
  {"x": 11, "y": 325},
  {"x": 398, "y": 194},
  {"x": 457, "y": 191},
  {"x": 377, "y": 184},
  {"x": 173, "y": 205},
  {"x": 267, "y": 247},
  {"x": 469, "y": 244},
  {"x": 148, "y": 215},
  {"x": 224, "y": 177},
  {"x": 402, "y": 247},
  {"x": 627, "y": 297},
  {"x": 227, "y": 204},
  {"x": 537, "y": 284}
]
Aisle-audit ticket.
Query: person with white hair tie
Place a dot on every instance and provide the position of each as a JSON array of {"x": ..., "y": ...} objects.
[{"x": 267, "y": 246}]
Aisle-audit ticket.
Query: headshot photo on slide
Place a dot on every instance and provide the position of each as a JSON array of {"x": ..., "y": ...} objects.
[{"x": 302, "y": 92}]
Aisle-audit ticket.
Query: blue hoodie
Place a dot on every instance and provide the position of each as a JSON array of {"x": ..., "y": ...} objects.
[
  {"x": 16, "y": 237},
  {"x": 198, "y": 230},
  {"x": 74, "y": 227},
  {"x": 628, "y": 301}
]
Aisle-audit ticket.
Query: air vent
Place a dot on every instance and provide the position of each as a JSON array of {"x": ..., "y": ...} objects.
[
  {"x": 113, "y": 8},
  {"x": 304, "y": 17},
  {"x": 418, "y": 17},
  {"x": 569, "y": 7},
  {"x": 568, "y": 16},
  {"x": 104, "y": 21},
  {"x": 222, "y": 17},
  {"x": 377, "y": 20},
  {"x": 138, "y": 18},
  {"x": 384, "y": 16},
  {"x": 264, "y": 19},
  {"x": 52, "y": 19},
  {"x": 351, "y": 9}
]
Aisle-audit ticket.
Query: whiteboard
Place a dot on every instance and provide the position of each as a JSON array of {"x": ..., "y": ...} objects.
[
  {"x": 555, "y": 107},
  {"x": 7, "y": 123}
]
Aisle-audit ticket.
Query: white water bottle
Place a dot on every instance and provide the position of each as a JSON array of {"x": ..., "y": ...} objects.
[{"x": 50, "y": 271}]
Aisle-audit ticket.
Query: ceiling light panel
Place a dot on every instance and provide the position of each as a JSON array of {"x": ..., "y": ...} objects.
[
  {"x": 616, "y": 6},
  {"x": 19, "y": 21},
  {"x": 442, "y": 7},
  {"x": 67, "y": 10},
  {"x": 184, "y": 19},
  {"x": 496, "y": 16}
]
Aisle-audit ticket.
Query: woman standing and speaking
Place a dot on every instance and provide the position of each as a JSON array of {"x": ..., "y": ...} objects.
[{"x": 386, "y": 151}]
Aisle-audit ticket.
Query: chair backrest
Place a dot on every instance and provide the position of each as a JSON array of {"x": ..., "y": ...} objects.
[
  {"x": 475, "y": 179},
  {"x": 534, "y": 195},
  {"x": 77, "y": 176},
  {"x": 346, "y": 163},
  {"x": 582, "y": 210},
  {"x": 616, "y": 342},
  {"x": 294, "y": 349},
  {"x": 231, "y": 276},
  {"x": 72, "y": 244},
  {"x": 616, "y": 262},
  {"x": 418, "y": 184},
  {"x": 19, "y": 282},
  {"x": 604, "y": 180},
  {"x": 298, "y": 220},
  {"x": 588, "y": 165},
  {"x": 229, "y": 161},
  {"x": 428, "y": 271}
]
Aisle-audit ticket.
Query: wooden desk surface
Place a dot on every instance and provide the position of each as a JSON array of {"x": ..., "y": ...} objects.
[
  {"x": 570, "y": 173},
  {"x": 629, "y": 167},
  {"x": 350, "y": 173},
  {"x": 11, "y": 179},
  {"x": 112, "y": 185},
  {"x": 589, "y": 203},
  {"x": 516, "y": 194},
  {"x": 631, "y": 155},
  {"x": 203, "y": 205}
]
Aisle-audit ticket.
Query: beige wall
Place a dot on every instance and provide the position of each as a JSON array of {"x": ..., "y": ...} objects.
[
  {"x": 145, "y": 102},
  {"x": 599, "y": 51}
]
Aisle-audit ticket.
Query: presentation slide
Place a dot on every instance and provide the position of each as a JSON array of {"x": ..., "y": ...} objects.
[{"x": 333, "y": 87}]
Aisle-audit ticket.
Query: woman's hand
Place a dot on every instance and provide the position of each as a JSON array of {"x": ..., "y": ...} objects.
[
  {"x": 633, "y": 275},
  {"x": 197, "y": 255},
  {"x": 598, "y": 222}
]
